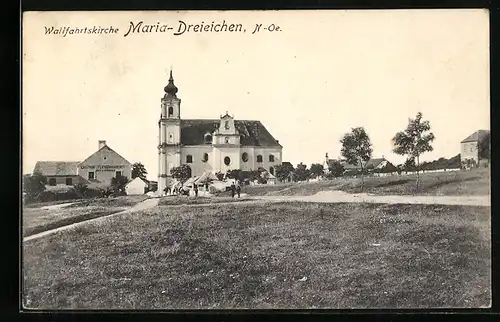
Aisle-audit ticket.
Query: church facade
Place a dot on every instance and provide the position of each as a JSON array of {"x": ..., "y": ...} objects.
[{"x": 215, "y": 145}]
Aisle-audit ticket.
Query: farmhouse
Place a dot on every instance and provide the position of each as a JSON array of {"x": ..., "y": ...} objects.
[
  {"x": 374, "y": 165},
  {"x": 97, "y": 169},
  {"x": 213, "y": 145},
  {"x": 471, "y": 146},
  {"x": 59, "y": 172}
]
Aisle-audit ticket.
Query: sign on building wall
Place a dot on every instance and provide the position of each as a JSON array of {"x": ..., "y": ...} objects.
[{"x": 102, "y": 167}]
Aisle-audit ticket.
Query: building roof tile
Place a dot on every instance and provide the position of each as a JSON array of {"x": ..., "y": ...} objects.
[
  {"x": 476, "y": 136},
  {"x": 253, "y": 133},
  {"x": 57, "y": 168}
]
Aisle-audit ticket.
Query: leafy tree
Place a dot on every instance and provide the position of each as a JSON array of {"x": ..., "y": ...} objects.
[
  {"x": 357, "y": 149},
  {"x": 138, "y": 170},
  {"x": 82, "y": 189},
  {"x": 335, "y": 168},
  {"x": 118, "y": 184},
  {"x": 316, "y": 170},
  {"x": 251, "y": 175},
  {"x": 301, "y": 172},
  {"x": 485, "y": 147},
  {"x": 410, "y": 165},
  {"x": 181, "y": 173},
  {"x": 235, "y": 174},
  {"x": 414, "y": 140},
  {"x": 283, "y": 171},
  {"x": 34, "y": 185}
]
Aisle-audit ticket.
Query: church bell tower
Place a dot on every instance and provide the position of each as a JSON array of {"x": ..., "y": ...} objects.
[{"x": 169, "y": 127}]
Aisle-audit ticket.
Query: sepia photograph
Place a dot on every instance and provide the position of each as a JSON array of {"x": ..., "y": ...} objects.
[{"x": 245, "y": 160}]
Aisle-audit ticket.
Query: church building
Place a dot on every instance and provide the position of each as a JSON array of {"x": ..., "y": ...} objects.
[{"x": 214, "y": 145}]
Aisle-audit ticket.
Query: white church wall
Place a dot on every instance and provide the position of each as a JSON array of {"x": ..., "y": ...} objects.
[{"x": 196, "y": 152}]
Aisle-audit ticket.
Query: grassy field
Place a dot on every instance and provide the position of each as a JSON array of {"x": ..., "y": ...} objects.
[
  {"x": 36, "y": 220},
  {"x": 476, "y": 182},
  {"x": 286, "y": 255},
  {"x": 184, "y": 200}
]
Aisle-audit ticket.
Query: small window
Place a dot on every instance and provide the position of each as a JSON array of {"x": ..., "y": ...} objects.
[
  {"x": 170, "y": 111},
  {"x": 205, "y": 157},
  {"x": 259, "y": 158},
  {"x": 105, "y": 158},
  {"x": 170, "y": 137},
  {"x": 69, "y": 181},
  {"x": 227, "y": 160},
  {"x": 52, "y": 181},
  {"x": 271, "y": 170},
  {"x": 118, "y": 174},
  {"x": 226, "y": 139},
  {"x": 244, "y": 157},
  {"x": 271, "y": 158},
  {"x": 208, "y": 138},
  {"x": 91, "y": 175},
  {"x": 189, "y": 158}
]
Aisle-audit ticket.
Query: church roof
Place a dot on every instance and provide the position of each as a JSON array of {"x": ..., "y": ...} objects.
[
  {"x": 56, "y": 168},
  {"x": 476, "y": 136},
  {"x": 253, "y": 133}
]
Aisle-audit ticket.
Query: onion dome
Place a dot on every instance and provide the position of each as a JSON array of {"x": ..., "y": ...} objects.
[{"x": 171, "y": 89}]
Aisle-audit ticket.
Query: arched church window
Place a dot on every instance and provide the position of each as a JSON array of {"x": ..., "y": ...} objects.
[
  {"x": 208, "y": 138},
  {"x": 227, "y": 160},
  {"x": 205, "y": 157},
  {"x": 226, "y": 126},
  {"x": 189, "y": 158},
  {"x": 271, "y": 170},
  {"x": 170, "y": 111},
  {"x": 259, "y": 158},
  {"x": 271, "y": 158},
  {"x": 226, "y": 139},
  {"x": 244, "y": 157}
]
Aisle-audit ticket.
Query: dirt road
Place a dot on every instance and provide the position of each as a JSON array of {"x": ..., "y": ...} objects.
[{"x": 340, "y": 196}]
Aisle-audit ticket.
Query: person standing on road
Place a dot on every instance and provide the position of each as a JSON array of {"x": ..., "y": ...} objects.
[
  {"x": 195, "y": 190},
  {"x": 238, "y": 190},
  {"x": 233, "y": 188}
]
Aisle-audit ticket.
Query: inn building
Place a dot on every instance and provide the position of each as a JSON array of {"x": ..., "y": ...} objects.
[
  {"x": 210, "y": 145},
  {"x": 97, "y": 169}
]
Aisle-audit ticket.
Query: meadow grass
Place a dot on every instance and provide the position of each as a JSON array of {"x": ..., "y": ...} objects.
[
  {"x": 261, "y": 256},
  {"x": 475, "y": 182},
  {"x": 36, "y": 220}
]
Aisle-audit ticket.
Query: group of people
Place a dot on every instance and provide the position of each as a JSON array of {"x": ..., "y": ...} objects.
[
  {"x": 184, "y": 191},
  {"x": 235, "y": 189}
]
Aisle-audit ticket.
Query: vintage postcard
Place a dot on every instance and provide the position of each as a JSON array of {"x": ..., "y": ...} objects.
[{"x": 328, "y": 159}]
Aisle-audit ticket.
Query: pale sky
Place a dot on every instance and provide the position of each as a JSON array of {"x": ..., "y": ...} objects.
[{"x": 323, "y": 73}]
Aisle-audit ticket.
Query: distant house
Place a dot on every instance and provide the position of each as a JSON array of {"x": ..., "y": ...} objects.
[
  {"x": 470, "y": 146},
  {"x": 97, "y": 170},
  {"x": 374, "y": 165},
  {"x": 137, "y": 186}
]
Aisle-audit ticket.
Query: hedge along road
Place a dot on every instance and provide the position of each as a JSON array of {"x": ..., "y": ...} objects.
[{"x": 323, "y": 197}]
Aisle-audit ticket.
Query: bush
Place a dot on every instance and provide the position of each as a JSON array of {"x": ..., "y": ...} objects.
[{"x": 50, "y": 195}]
